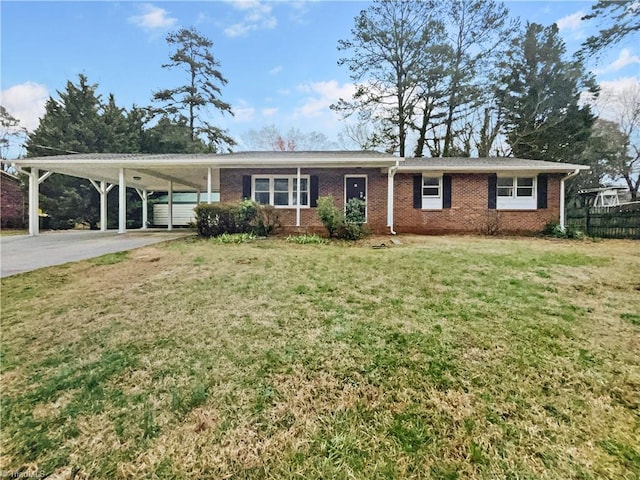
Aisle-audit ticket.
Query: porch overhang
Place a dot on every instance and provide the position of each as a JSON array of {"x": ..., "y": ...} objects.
[{"x": 177, "y": 172}]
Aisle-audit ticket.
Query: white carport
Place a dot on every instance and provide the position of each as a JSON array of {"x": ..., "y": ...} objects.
[
  {"x": 198, "y": 173},
  {"x": 144, "y": 173}
]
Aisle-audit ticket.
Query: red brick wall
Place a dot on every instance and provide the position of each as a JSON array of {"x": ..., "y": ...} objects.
[
  {"x": 469, "y": 212},
  {"x": 330, "y": 182},
  {"x": 12, "y": 202}
]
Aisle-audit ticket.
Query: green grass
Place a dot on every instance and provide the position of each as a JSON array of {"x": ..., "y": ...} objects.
[{"x": 444, "y": 357}]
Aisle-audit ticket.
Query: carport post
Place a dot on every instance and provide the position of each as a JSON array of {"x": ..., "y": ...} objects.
[
  {"x": 145, "y": 210},
  {"x": 103, "y": 190},
  {"x": 103, "y": 206},
  {"x": 122, "y": 210},
  {"x": 34, "y": 220},
  {"x": 170, "y": 219}
]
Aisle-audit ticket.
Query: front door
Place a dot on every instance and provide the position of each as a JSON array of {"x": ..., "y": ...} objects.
[{"x": 356, "y": 187}]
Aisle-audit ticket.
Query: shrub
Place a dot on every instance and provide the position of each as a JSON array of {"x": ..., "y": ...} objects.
[
  {"x": 267, "y": 220},
  {"x": 214, "y": 219},
  {"x": 307, "y": 239},
  {"x": 329, "y": 215},
  {"x": 354, "y": 227},
  {"x": 349, "y": 226},
  {"x": 235, "y": 238},
  {"x": 571, "y": 232}
]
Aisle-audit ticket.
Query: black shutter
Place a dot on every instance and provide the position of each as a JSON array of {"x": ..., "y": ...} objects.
[
  {"x": 246, "y": 186},
  {"x": 313, "y": 192},
  {"x": 446, "y": 191},
  {"x": 417, "y": 191},
  {"x": 542, "y": 190},
  {"x": 493, "y": 191}
]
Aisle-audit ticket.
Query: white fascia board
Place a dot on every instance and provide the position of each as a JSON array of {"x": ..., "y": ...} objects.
[
  {"x": 209, "y": 162},
  {"x": 562, "y": 168}
]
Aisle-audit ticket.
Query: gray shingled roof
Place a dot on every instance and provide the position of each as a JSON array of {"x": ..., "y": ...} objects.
[
  {"x": 464, "y": 164},
  {"x": 241, "y": 156}
]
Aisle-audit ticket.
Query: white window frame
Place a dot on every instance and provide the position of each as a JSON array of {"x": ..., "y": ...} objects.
[
  {"x": 515, "y": 201},
  {"x": 432, "y": 202},
  {"x": 292, "y": 194}
]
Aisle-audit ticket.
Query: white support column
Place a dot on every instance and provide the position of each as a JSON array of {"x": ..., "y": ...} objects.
[
  {"x": 209, "y": 185},
  {"x": 122, "y": 207},
  {"x": 145, "y": 209},
  {"x": 298, "y": 199},
  {"x": 103, "y": 206},
  {"x": 562, "y": 202},
  {"x": 103, "y": 189},
  {"x": 170, "y": 219},
  {"x": 144, "y": 196},
  {"x": 390, "y": 189},
  {"x": 34, "y": 192}
]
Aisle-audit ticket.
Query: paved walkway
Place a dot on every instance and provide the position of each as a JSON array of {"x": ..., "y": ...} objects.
[{"x": 21, "y": 253}]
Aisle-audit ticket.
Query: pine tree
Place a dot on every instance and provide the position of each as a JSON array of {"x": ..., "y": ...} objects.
[
  {"x": 188, "y": 103},
  {"x": 540, "y": 98}
]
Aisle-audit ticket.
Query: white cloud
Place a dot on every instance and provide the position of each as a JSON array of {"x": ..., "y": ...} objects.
[
  {"x": 275, "y": 70},
  {"x": 26, "y": 103},
  {"x": 153, "y": 18},
  {"x": 624, "y": 59},
  {"x": 243, "y": 112},
  {"x": 620, "y": 84},
  {"x": 269, "y": 112},
  {"x": 573, "y": 24},
  {"x": 320, "y": 96},
  {"x": 258, "y": 16},
  {"x": 611, "y": 92}
]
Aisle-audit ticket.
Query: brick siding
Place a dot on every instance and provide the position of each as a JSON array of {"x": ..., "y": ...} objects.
[
  {"x": 330, "y": 182},
  {"x": 468, "y": 213},
  {"x": 12, "y": 202}
]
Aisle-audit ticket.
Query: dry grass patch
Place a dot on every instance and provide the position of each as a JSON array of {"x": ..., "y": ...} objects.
[{"x": 444, "y": 357}]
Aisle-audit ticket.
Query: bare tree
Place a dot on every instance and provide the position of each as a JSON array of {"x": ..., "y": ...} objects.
[
  {"x": 269, "y": 138},
  {"x": 11, "y": 133},
  {"x": 626, "y": 110}
]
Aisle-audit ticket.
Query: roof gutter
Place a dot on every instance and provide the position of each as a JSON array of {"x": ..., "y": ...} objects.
[{"x": 562, "y": 202}]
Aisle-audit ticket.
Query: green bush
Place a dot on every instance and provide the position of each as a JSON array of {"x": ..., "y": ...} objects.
[
  {"x": 355, "y": 218},
  {"x": 307, "y": 239},
  {"x": 570, "y": 231},
  {"x": 329, "y": 215},
  {"x": 235, "y": 238},
  {"x": 214, "y": 219},
  {"x": 349, "y": 226}
]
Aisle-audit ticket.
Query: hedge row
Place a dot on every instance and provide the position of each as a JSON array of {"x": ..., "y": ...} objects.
[{"x": 214, "y": 219}]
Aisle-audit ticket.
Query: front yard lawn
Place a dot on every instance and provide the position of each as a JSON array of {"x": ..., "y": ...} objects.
[{"x": 443, "y": 358}]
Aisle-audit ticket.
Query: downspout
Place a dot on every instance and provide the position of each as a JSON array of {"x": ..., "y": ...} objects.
[
  {"x": 390, "y": 176},
  {"x": 562, "y": 203}
]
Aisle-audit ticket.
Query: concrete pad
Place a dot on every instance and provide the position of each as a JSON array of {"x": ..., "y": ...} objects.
[{"x": 22, "y": 253}]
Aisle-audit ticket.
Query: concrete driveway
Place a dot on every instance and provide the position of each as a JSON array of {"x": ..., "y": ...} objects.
[{"x": 21, "y": 253}]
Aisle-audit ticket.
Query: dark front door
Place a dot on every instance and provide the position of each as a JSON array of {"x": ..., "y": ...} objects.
[{"x": 356, "y": 187}]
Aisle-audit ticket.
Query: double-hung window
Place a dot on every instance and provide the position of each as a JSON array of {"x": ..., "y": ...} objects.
[
  {"x": 431, "y": 186},
  {"x": 515, "y": 187},
  {"x": 280, "y": 190},
  {"x": 516, "y": 193},
  {"x": 431, "y": 192}
]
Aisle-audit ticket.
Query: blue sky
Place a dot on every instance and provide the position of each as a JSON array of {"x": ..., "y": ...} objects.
[{"x": 280, "y": 58}]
